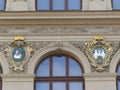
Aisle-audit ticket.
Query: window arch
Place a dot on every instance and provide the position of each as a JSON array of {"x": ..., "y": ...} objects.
[
  {"x": 116, "y": 4},
  {"x": 2, "y": 5},
  {"x": 58, "y": 5},
  {"x": 59, "y": 73}
]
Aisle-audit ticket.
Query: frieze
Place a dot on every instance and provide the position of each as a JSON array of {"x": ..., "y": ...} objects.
[
  {"x": 80, "y": 45},
  {"x": 58, "y": 30}
]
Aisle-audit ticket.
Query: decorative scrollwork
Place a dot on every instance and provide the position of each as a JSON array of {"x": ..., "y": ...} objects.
[
  {"x": 18, "y": 54},
  {"x": 99, "y": 53}
]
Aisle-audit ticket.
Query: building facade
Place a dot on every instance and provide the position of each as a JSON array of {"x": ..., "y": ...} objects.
[{"x": 53, "y": 46}]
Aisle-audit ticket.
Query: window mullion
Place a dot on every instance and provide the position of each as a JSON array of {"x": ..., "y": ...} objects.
[
  {"x": 51, "y": 4},
  {"x": 80, "y": 4},
  {"x": 51, "y": 86},
  {"x": 51, "y": 67},
  {"x": 67, "y": 66},
  {"x": 67, "y": 86},
  {"x": 66, "y": 4}
]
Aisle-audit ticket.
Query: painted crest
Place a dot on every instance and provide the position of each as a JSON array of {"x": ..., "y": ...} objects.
[
  {"x": 18, "y": 54},
  {"x": 98, "y": 53}
]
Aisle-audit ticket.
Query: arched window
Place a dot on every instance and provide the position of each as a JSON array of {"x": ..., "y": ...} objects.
[
  {"x": 58, "y": 5},
  {"x": 59, "y": 73},
  {"x": 2, "y": 5},
  {"x": 118, "y": 76},
  {"x": 116, "y": 4}
]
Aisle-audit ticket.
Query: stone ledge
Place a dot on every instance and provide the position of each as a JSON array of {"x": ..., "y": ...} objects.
[
  {"x": 59, "y": 15},
  {"x": 17, "y": 77},
  {"x": 100, "y": 77},
  {"x": 60, "y": 18}
]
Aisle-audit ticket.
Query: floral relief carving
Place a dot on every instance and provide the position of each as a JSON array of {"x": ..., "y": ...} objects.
[
  {"x": 80, "y": 45},
  {"x": 54, "y": 30},
  {"x": 39, "y": 45},
  {"x": 116, "y": 47}
]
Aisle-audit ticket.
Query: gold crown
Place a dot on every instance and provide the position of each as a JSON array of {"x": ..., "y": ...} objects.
[
  {"x": 19, "y": 38},
  {"x": 98, "y": 37}
]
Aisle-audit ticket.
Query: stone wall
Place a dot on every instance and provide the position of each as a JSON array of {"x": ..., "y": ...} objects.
[{"x": 70, "y": 39}]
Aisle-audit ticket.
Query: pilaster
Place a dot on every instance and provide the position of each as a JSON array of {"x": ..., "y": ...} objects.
[
  {"x": 100, "y": 81},
  {"x": 17, "y": 82}
]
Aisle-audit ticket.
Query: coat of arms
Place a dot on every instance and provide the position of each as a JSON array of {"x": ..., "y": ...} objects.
[
  {"x": 98, "y": 53},
  {"x": 18, "y": 54}
]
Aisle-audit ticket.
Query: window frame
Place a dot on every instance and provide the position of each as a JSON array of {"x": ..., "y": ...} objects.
[
  {"x": 67, "y": 79},
  {"x": 51, "y": 6},
  {"x": 1, "y": 71}
]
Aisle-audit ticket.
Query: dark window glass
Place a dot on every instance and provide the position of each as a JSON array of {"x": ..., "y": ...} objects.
[
  {"x": 42, "y": 86},
  {"x": 76, "y": 86},
  {"x": 2, "y": 5},
  {"x": 74, "y": 4},
  {"x": 43, "y": 69},
  {"x": 59, "y": 73},
  {"x": 43, "y": 4},
  {"x": 118, "y": 76},
  {"x": 118, "y": 70},
  {"x": 118, "y": 85},
  {"x": 74, "y": 68},
  {"x": 58, "y": 5},
  {"x": 59, "y": 86},
  {"x": 59, "y": 66},
  {"x": 116, "y": 4}
]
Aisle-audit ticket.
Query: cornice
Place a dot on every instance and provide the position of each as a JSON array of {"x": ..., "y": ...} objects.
[
  {"x": 60, "y": 15},
  {"x": 60, "y": 18}
]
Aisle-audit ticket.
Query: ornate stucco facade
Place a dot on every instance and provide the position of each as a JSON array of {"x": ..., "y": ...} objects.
[{"x": 67, "y": 31}]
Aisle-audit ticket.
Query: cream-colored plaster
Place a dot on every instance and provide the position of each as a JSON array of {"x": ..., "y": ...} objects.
[
  {"x": 85, "y": 5},
  {"x": 97, "y": 5},
  {"x": 18, "y": 82},
  {"x": 4, "y": 64},
  {"x": 100, "y": 81},
  {"x": 31, "y": 5},
  {"x": 89, "y": 5},
  {"x": 109, "y": 4},
  {"x": 8, "y": 5},
  {"x": 19, "y": 5}
]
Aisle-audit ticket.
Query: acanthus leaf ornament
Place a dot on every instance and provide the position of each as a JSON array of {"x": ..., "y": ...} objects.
[
  {"x": 99, "y": 53},
  {"x": 18, "y": 54}
]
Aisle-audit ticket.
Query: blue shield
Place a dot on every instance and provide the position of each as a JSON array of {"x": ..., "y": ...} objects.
[{"x": 18, "y": 54}]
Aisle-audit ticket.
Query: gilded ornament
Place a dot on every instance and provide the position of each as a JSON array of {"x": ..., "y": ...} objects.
[
  {"x": 18, "y": 54},
  {"x": 99, "y": 53}
]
